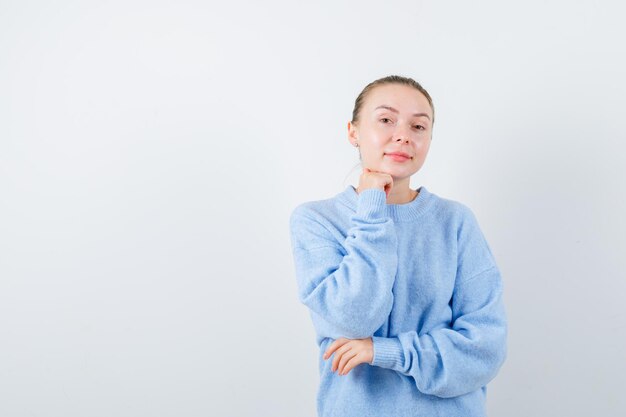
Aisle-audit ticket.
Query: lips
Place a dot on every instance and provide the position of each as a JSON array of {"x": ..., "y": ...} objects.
[
  {"x": 400, "y": 157},
  {"x": 405, "y": 155}
]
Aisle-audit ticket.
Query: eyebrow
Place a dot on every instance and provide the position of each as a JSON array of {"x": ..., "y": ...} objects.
[{"x": 396, "y": 111}]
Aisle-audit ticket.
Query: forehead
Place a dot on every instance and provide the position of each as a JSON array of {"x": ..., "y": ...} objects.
[{"x": 402, "y": 97}]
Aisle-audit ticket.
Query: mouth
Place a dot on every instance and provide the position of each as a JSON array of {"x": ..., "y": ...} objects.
[{"x": 399, "y": 156}]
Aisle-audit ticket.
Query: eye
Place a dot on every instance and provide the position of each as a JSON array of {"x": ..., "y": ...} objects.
[
  {"x": 385, "y": 118},
  {"x": 420, "y": 126}
]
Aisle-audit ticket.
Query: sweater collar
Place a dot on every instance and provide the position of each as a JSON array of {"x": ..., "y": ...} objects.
[{"x": 398, "y": 212}]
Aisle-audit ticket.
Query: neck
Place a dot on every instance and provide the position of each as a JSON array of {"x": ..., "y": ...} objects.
[
  {"x": 401, "y": 193},
  {"x": 402, "y": 196}
]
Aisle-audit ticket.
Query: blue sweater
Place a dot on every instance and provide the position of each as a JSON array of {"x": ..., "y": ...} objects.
[{"x": 420, "y": 279}]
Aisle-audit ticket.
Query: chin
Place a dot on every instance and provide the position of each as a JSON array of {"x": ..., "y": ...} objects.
[
  {"x": 398, "y": 170},
  {"x": 399, "y": 174}
]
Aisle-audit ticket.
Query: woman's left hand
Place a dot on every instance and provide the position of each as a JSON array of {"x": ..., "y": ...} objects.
[{"x": 349, "y": 353}]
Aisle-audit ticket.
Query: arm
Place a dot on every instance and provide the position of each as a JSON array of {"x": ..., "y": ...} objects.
[
  {"x": 448, "y": 362},
  {"x": 347, "y": 286},
  {"x": 460, "y": 358}
]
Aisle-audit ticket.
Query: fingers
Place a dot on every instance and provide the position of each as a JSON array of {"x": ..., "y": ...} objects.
[
  {"x": 352, "y": 363},
  {"x": 341, "y": 352},
  {"x": 334, "y": 346},
  {"x": 345, "y": 358}
]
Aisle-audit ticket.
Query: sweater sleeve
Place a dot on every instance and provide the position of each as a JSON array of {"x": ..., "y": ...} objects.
[
  {"x": 347, "y": 285},
  {"x": 457, "y": 359}
]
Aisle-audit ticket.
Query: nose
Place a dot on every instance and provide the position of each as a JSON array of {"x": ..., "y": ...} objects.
[{"x": 401, "y": 134}]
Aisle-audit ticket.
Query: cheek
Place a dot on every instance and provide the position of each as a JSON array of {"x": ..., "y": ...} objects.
[
  {"x": 373, "y": 143},
  {"x": 379, "y": 139}
]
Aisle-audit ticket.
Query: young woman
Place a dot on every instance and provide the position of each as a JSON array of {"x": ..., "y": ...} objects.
[{"x": 401, "y": 285}]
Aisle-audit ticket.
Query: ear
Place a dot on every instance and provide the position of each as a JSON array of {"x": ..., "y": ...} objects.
[{"x": 352, "y": 134}]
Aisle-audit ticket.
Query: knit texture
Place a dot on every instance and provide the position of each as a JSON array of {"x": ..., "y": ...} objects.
[{"x": 421, "y": 280}]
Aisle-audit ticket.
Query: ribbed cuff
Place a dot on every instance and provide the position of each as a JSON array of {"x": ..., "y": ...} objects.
[
  {"x": 387, "y": 352},
  {"x": 371, "y": 203}
]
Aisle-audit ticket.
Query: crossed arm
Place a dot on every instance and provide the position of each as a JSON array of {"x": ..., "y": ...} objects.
[{"x": 446, "y": 361}]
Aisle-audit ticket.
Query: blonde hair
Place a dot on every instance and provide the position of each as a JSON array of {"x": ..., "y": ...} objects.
[{"x": 391, "y": 79}]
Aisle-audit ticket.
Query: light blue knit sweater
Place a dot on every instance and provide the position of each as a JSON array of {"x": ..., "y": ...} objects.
[{"x": 421, "y": 279}]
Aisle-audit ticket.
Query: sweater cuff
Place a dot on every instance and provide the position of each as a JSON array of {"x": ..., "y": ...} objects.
[
  {"x": 371, "y": 203},
  {"x": 387, "y": 352}
]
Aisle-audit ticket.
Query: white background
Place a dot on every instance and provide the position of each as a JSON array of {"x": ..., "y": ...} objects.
[{"x": 151, "y": 152}]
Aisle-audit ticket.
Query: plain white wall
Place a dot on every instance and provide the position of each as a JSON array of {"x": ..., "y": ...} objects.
[{"x": 151, "y": 152}]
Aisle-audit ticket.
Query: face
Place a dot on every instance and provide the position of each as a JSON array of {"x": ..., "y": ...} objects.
[{"x": 394, "y": 118}]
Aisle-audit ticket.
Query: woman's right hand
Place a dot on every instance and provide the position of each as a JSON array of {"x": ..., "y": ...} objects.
[{"x": 375, "y": 179}]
